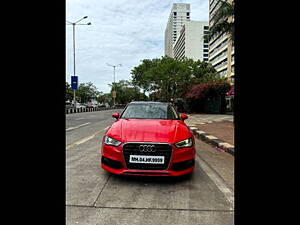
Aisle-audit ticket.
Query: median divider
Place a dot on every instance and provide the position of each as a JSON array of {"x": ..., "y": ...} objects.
[{"x": 80, "y": 110}]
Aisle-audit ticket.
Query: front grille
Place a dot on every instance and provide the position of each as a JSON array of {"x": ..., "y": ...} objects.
[{"x": 160, "y": 150}]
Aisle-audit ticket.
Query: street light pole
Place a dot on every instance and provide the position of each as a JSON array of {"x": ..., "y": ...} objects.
[
  {"x": 74, "y": 48},
  {"x": 114, "y": 85},
  {"x": 74, "y": 62}
]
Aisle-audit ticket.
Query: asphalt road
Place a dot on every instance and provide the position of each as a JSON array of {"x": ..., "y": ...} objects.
[{"x": 94, "y": 196}]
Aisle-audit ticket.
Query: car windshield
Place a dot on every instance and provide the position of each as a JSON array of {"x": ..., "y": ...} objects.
[{"x": 150, "y": 111}]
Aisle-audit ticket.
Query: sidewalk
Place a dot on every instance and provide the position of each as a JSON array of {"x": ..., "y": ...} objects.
[
  {"x": 223, "y": 130},
  {"x": 215, "y": 129}
]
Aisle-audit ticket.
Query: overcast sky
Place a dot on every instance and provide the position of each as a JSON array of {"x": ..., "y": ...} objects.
[{"x": 122, "y": 32}]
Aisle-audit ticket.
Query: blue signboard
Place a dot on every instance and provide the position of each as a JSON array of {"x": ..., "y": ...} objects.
[{"x": 74, "y": 82}]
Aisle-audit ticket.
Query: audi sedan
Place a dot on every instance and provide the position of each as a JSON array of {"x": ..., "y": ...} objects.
[{"x": 149, "y": 139}]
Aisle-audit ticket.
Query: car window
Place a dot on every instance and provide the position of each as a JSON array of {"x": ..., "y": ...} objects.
[{"x": 150, "y": 111}]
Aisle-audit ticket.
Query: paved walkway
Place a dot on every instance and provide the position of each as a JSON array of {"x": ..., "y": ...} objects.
[
  {"x": 200, "y": 119},
  {"x": 223, "y": 130},
  {"x": 217, "y": 128}
]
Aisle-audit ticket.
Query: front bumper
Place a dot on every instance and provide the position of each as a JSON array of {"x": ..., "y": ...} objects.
[{"x": 182, "y": 162}]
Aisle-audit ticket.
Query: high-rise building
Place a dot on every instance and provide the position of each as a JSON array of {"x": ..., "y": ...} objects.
[
  {"x": 191, "y": 43},
  {"x": 180, "y": 13},
  {"x": 221, "y": 49}
]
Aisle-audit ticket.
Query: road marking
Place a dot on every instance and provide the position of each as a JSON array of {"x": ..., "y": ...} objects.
[
  {"x": 83, "y": 140},
  {"x": 106, "y": 128},
  {"x": 79, "y": 118},
  {"x": 218, "y": 181},
  {"x": 72, "y": 128}
]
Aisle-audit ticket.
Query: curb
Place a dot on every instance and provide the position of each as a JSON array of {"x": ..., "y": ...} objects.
[{"x": 212, "y": 140}]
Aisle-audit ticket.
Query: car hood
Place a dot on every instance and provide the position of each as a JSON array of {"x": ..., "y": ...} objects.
[{"x": 149, "y": 130}]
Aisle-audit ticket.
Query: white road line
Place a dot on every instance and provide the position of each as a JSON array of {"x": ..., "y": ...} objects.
[
  {"x": 106, "y": 128},
  {"x": 72, "y": 128},
  {"x": 219, "y": 183},
  {"x": 79, "y": 118},
  {"x": 83, "y": 140}
]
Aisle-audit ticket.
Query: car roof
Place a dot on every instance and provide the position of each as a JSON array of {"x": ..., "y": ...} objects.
[{"x": 149, "y": 102}]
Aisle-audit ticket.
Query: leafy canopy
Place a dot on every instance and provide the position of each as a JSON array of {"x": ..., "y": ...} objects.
[
  {"x": 208, "y": 90},
  {"x": 168, "y": 78},
  {"x": 221, "y": 23},
  {"x": 86, "y": 92},
  {"x": 127, "y": 92}
]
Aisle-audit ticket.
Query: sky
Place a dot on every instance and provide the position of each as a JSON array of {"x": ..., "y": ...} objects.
[{"x": 121, "y": 32}]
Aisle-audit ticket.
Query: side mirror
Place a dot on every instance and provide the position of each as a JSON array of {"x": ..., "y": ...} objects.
[
  {"x": 183, "y": 116},
  {"x": 116, "y": 115}
]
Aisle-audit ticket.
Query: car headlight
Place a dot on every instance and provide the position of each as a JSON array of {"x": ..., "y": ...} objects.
[
  {"x": 111, "y": 141},
  {"x": 185, "y": 143}
]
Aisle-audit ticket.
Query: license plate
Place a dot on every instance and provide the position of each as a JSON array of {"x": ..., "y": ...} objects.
[{"x": 146, "y": 159}]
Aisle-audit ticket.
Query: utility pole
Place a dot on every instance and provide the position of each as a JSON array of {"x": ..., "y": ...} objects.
[
  {"x": 114, "y": 88},
  {"x": 74, "y": 62}
]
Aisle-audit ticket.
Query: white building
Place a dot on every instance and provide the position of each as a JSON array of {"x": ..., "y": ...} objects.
[
  {"x": 180, "y": 13},
  {"x": 221, "y": 49},
  {"x": 190, "y": 42}
]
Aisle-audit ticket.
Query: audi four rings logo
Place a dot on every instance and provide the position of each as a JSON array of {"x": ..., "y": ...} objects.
[{"x": 147, "y": 148}]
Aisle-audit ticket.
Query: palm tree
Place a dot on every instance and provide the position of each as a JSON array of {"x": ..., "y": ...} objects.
[
  {"x": 223, "y": 23},
  {"x": 223, "y": 20}
]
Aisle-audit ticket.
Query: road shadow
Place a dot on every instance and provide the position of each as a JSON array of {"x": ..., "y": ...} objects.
[
  {"x": 197, "y": 174},
  {"x": 153, "y": 179}
]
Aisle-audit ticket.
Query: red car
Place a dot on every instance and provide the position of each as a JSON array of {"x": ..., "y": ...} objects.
[
  {"x": 89, "y": 106},
  {"x": 149, "y": 139}
]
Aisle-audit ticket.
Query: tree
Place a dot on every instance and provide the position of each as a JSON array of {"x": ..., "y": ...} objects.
[
  {"x": 140, "y": 79},
  {"x": 222, "y": 20},
  {"x": 168, "y": 78},
  {"x": 105, "y": 98},
  {"x": 68, "y": 93},
  {"x": 86, "y": 92},
  {"x": 127, "y": 92},
  {"x": 208, "y": 90},
  {"x": 204, "y": 97}
]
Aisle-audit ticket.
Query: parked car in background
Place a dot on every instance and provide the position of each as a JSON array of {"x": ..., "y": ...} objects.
[
  {"x": 69, "y": 105},
  {"x": 90, "y": 105},
  {"x": 80, "y": 105},
  {"x": 120, "y": 106}
]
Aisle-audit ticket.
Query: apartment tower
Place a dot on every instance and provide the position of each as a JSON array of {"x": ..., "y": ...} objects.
[
  {"x": 180, "y": 13},
  {"x": 191, "y": 43},
  {"x": 221, "y": 49}
]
